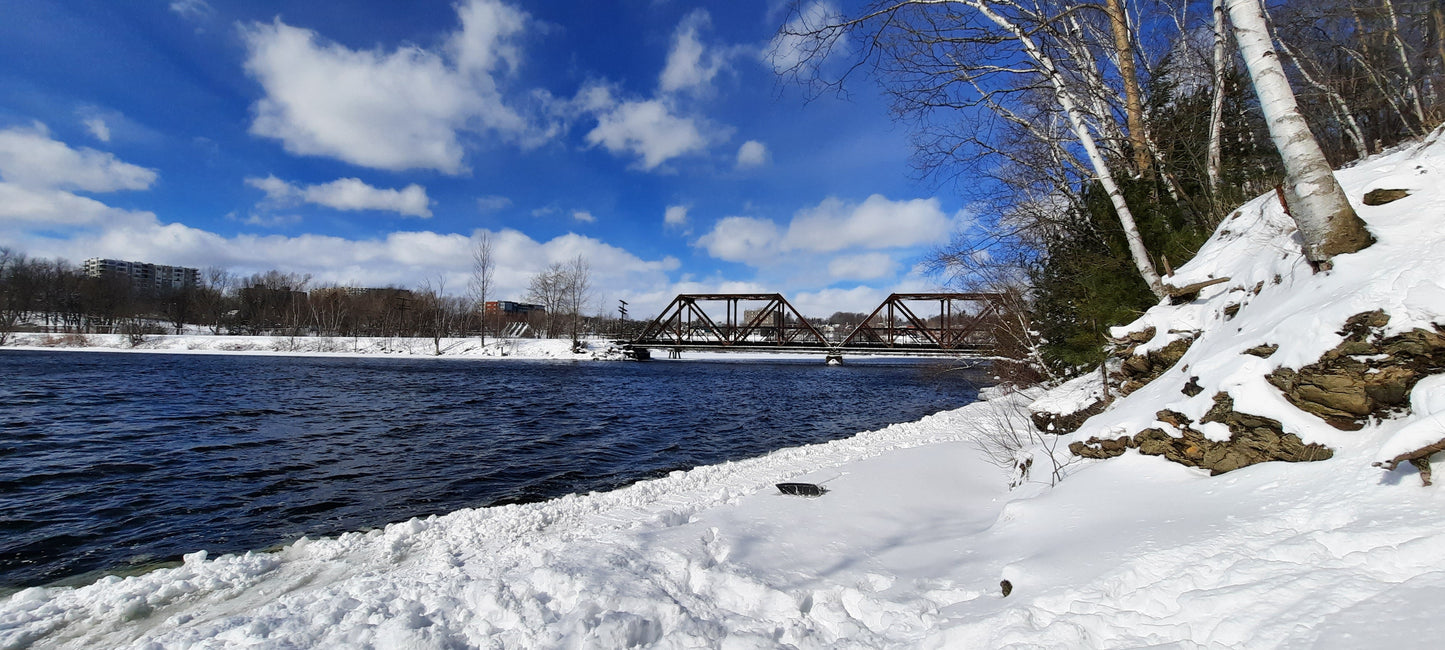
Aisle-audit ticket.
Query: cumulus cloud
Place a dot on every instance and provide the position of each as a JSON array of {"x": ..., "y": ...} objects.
[
  {"x": 43, "y": 206},
  {"x": 394, "y": 110},
  {"x": 583, "y": 216},
  {"x": 30, "y": 158},
  {"x": 690, "y": 64},
  {"x": 675, "y": 215},
  {"x": 833, "y": 225},
  {"x": 647, "y": 129},
  {"x": 347, "y": 194},
  {"x": 742, "y": 239},
  {"x": 875, "y": 223},
  {"x": 752, "y": 154}
]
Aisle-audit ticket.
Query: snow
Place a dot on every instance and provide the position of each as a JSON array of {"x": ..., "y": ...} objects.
[
  {"x": 323, "y": 346},
  {"x": 908, "y": 547}
]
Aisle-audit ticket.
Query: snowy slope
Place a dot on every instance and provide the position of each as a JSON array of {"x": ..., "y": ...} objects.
[{"x": 910, "y": 544}]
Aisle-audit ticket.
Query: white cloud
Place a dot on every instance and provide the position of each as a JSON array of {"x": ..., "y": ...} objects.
[
  {"x": 43, "y": 206},
  {"x": 833, "y": 225},
  {"x": 864, "y": 266},
  {"x": 493, "y": 203},
  {"x": 752, "y": 154},
  {"x": 676, "y": 215},
  {"x": 690, "y": 65},
  {"x": 97, "y": 128},
  {"x": 647, "y": 129},
  {"x": 742, "y": 239},
  {"x": 876, "y": 223},
  {"x": 395, "y": 110},
  {"x": 347, "y": 194},
  {"x": 30, "y": 158},
  {"x": 825, "y": 302},
  {"x": 583, "y": 216}
]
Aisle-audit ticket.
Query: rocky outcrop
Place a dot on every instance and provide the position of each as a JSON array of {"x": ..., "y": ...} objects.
[
  {"x": 1254, "y": 439},
  {"x": 1367, "y": 375},
  {"x": 1061, "y": 423},
  {"x": 1136, "y": 370}
]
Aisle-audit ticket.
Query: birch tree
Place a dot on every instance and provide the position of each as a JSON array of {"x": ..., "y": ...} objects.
[
  {"x": 960, "y": 55},
  {"x": 1326, "y": 221}
]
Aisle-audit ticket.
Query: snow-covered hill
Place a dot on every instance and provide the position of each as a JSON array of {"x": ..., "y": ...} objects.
[{"x": 918, "y": 530}]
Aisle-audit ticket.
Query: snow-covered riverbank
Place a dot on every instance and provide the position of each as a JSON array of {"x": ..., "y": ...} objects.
[
  {"x": 917, "y": 533},
  {"x": 448, "y": 348}
]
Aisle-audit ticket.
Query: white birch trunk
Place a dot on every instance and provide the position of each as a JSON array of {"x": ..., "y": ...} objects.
[
  {"x": 1216, "y": 108},
  {"x": 1325, "y": 218},
  {"x": 1411, "y": 82},
  {"x": 1080, "y": 127}
]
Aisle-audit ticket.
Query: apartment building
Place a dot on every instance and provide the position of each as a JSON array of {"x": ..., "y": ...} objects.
[{"x": 144, "y": 274}]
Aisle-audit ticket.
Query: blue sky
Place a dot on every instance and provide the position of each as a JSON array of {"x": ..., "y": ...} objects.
[{"x": 368, "y": 143}]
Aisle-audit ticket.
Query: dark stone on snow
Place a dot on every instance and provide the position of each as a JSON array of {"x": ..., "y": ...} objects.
[
  {"x": 1263, "y": 351},
  {"x": 1383, "y": 196},
  {"x": 1192, "y": 387}
]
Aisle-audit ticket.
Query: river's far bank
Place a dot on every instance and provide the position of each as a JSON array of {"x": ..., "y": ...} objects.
[{"x": 594, "y": 348}]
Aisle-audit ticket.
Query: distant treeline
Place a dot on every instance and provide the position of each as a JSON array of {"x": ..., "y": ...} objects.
[{"x": 53, "y": 295}]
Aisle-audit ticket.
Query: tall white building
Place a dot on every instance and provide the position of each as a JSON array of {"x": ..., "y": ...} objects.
[{"x": 144, "y": 274}]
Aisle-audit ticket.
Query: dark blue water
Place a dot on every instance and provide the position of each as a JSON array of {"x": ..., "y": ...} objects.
[{"x": 116, "y": 461}]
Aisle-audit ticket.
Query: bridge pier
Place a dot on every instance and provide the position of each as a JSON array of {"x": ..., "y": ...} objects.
[{"x": 835, "y": 359}]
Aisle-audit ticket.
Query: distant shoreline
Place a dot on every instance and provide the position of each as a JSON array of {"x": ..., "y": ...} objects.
[{"x": 596, "y": 349}]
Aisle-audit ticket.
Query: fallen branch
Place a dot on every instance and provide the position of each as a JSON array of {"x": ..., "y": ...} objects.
[
  {"x": 1187, "y": 293},
  {"x": 1420, "y": 458}
]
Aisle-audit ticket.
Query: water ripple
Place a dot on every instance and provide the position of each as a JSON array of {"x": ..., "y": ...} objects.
[{"x": 123, "y": 462}]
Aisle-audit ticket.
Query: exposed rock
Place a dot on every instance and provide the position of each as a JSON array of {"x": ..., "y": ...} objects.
[
  {"x": 1192, "y": 387},
  {"x": 1366, "y": 375},
  {"x": 1096, "y": 447},
  {"x": 1173, "y": 418},
  {"x": 1383, "y": 196},
  {"x": 1136, "y": 370},
  {"x": 1254, "y": 439},
  {"x": 1263, "y": 351},
  {"x": 1061, "y": 423}
]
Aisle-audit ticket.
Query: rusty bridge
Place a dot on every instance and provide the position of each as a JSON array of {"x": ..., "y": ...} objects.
[{"x": 953, "y": 324}]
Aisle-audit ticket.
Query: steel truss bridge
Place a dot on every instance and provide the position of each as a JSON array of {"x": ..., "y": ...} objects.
[{"x": 767, "y": 322}]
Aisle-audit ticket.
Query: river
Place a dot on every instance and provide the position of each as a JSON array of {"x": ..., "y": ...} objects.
[{"x": 114, "y": 462}]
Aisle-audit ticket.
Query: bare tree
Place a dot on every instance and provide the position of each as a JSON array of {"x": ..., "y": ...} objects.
[
  {"x": 436, "y": 311},
  {"x": 577, "y": 292},
  {"x": 484, "y": 264},
  {"x": 15, "y": 293},
  {"x": 960, "y": 55},
  {"x": 1319, "y": 207},
  {"x": 548, "y": 289}
]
